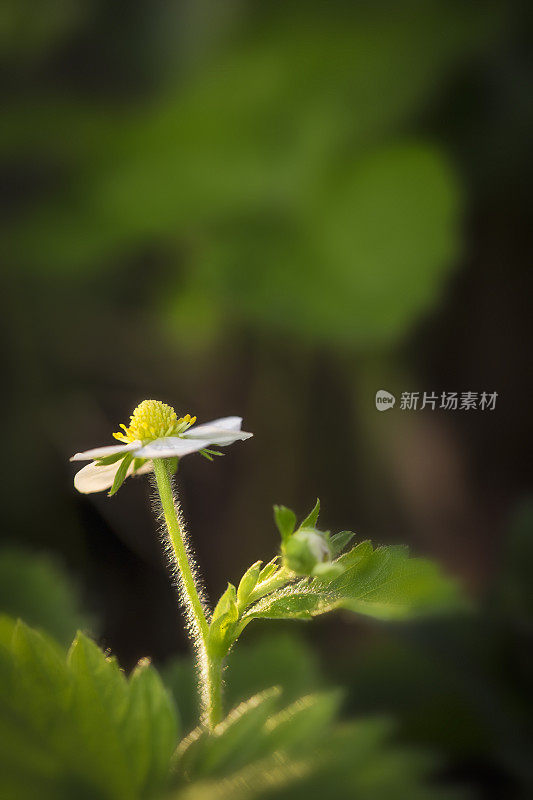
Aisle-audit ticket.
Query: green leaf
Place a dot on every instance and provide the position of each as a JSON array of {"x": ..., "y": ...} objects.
[
  {"x": 99, "y": 705},
  {"x": 233, "y": 743},
  {"x": 98, "y": 680},
  {"x": 34, "y": 709},
  {"x": 357, "y": 556},
  {"x": 149, "y": 729},
  {"x": 57, "y": 721},
  {"x": 7, "y": 628},
  {"x": 285, "y": 520},
  {"x": 31, "y": 742},
  {"x": 41, "y": 689},
  {"x": 49, "y": 749},
  {"x": 311, "y": 520},
  {"x": 74, "y": 727},
  {"x": 259, "y": 779},
  {"x": 254, "y": 730},
  {"x": 339, "y": 541},
  {"x": 390, "y": 585},
  {"x": 40, "y": 660},
  {"x": 327, "y": 570},
  {"x": 302, "y": 724},
  {"x": 301, "y": 754},
  {"x": 383, "y": 583},
  {"x": 287, "y": 604}
]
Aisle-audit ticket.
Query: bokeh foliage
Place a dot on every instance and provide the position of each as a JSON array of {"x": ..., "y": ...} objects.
[
  {"x": 281, "y": 167},
  {"x": 36, "y": 589},
  {"x": 76, "y": 726},
  {"x": 216, "y": 171}
]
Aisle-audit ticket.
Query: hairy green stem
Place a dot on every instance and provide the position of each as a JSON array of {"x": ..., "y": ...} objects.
[
  {"x": 209, "y": 667},
  {"x": 214, "y": 711}
]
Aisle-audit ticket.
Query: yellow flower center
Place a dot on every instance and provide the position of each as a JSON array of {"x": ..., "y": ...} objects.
[{"x": 153, "y": 419}]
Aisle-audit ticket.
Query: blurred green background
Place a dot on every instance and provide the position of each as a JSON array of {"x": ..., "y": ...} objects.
[{"x": 273, "y": 210}]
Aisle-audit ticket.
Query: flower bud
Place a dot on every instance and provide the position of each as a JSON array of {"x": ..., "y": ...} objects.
[{"x": 305, "y": 550}]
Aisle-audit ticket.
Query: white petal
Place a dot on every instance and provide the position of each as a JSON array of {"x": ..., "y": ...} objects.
[
  {"x": 217, "y": 436},
  {"x": 170, "y": 447},
  {"x": 224, "y": 423},
  {"x": 93, "y": 478},
  {"x": 102, "y": 452},
  {"x": 173, "y": 446}
]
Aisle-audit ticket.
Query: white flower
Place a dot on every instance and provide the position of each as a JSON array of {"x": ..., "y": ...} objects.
[{"x": 154, "y": 432}]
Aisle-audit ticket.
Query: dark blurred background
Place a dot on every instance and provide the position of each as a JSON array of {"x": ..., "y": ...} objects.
[{"x": 273, "y": 210}]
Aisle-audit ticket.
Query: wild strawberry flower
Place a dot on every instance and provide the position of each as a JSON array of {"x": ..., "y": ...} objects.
[{"x": 154, "y": 432}]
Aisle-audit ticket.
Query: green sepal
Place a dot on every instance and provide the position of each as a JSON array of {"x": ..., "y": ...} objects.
[
  {"x": 311, "y": 520},
  {"x": 222, "y": 627},
  {"x": 338, "y": 542},
  {"x": 268, "y": 570},
  {"x": 285, "y": 520},
  {"x": 120, "y": 477},
  {"x": 207, "y": 453},
  {"x": 247, "y": 584},
  {"x": 107, "y": 460},
  {"x": 225, "y": 603}
]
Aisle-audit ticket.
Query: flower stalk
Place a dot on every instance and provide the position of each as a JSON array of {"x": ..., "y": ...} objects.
[
  {"x": 209, "y": 667},
  {"x": 214, "y": 711},
  {"x": 155, "y": 440}
]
